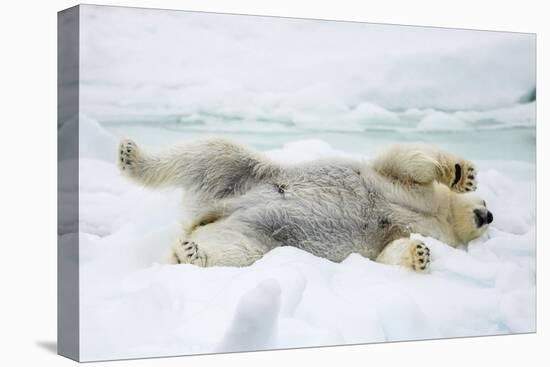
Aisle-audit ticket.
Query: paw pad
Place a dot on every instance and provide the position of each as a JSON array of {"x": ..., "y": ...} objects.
[
  {"x": 420, "y": 256},
  {"x": 127, "y": 155},
  {"x": 186, "y": 252},
  {"x": 464, "y": 177}
]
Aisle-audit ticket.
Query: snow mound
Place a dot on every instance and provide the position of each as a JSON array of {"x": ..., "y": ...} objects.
[{"x": 254, "y": 324}]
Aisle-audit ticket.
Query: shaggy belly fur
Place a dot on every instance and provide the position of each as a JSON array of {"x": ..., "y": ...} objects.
[{"x": 329, "y": 211}]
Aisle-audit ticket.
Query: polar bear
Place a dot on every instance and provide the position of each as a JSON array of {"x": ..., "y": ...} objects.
[{"x": 244, "y": 204}]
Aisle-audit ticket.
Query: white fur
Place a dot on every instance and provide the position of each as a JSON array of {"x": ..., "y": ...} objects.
[{"x": 243, "y": 205}]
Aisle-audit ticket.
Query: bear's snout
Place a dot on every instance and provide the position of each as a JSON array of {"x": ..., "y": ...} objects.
[{"x": 483, "y": 216}]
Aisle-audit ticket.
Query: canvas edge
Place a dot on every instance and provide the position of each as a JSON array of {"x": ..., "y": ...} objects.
[{"x": 68, "y": 330}]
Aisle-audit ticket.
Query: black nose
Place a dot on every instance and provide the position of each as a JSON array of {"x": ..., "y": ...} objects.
[{"x": 483, "y": 216}]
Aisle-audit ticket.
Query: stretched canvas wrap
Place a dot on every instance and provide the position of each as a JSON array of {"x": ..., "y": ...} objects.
[{"x": 239, "y": 183}]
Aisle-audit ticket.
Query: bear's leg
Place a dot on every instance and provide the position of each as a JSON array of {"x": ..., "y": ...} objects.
[
  {"x": 215, "y": 246},
  {"x": 216, "y": 168},
  {"x": 423, "y": 164},
  {"x": 406, "y": 252}
]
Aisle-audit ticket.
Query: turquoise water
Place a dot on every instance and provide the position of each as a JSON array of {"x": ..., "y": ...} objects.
[{"x": 512, "y": 143}]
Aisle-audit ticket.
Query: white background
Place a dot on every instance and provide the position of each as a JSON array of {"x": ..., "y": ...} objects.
[{"x": 28, "y": 182}]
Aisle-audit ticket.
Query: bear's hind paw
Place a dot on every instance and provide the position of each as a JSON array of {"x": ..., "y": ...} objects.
[
  {"x": 127, "y": 155},
  {"x": 186, "y": 252}
]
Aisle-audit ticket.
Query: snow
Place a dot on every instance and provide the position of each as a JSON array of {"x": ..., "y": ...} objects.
[
  {"x": 297, "y": 90},
  {"x": 133, "y": 304},
  {"x": 209, "y": 70}
]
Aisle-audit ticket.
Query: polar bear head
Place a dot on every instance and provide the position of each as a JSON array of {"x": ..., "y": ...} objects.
[{"x": 470, "y": 216}]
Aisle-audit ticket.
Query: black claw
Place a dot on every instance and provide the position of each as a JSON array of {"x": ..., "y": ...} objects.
[
  {"x": 185, "y": 242},
  {"x": 470, "y": 177},
  {"x": 189, "y": 255},
  {"x": 458, "y": 174},
  {"x": 469, "y": 183},
  {"x": 420, "y": 253},
  {"x": 423, "y": 267},
  {"x": 421, "y": 261},
  {"x": 470, "y": 169},
  {"x": 418, "y": 246},
  {"x": 468, "y": 189}
]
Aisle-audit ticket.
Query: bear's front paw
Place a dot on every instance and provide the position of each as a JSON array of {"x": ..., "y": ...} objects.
[
  {"x": 128, "y": 154},
  {"x": 464, "y": 177},
  {"x": 420, "y": 255}
]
